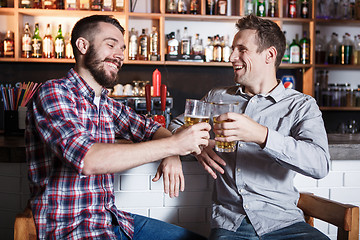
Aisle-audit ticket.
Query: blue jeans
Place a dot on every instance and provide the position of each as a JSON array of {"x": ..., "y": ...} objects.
[
  {"x": 300, "y": 230},
  {"x": 152, "y": 229}
]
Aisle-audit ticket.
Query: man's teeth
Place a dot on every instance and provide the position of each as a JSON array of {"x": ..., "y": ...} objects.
[
  {"x": 112, "y": 65},
  {"x": 238, "y": 67}
]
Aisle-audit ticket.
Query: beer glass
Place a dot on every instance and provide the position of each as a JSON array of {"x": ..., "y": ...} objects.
[
  {"x": 196, "y": 111},
  {"x": 217, "y": 110}
]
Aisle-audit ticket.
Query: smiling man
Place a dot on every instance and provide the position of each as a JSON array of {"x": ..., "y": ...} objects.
[
  {"x": 70, "y": 136},
  {"x": 279, "y": 133}
]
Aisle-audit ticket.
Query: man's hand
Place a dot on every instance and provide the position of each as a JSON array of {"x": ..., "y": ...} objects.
[
  {"x": 210, "y": 160},
  {"x": 173, "y": 176},
  {"x": 239, "y": 127}
]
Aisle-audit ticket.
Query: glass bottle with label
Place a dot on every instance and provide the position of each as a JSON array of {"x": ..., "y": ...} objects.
[
  {"x": 320, "y": 52},
  {"x": 59, "y": 44},
  {"x": 26, "y": 42},
  {"x": 36, "y": 43},
  {"x": 154, "y": 45},
  {"x": 272, "y": 12},
  {"x": 49, "y": 4},
  {"x": 60, "y": 4},
  {"x": 226, "y": 50},
  {"x": 171, "y": 6},
  {"x": 182, "y": 8},
  {"x": 217, "y": 49},
  {"x": 96, "y": 5},
  {"x": 222, "y": 7},
  {"x": 356, "y": 54},
  {"x": 68, "y": 48},
  {"x": 172, "y": 44},
  {"x": 143, "y": 46},
  {"x": 37, "y": 4},
  {"x": 133, "y": 45},
  {"x": 346, "y": 50},
  {"x": 25, "y": 4},
  {"x": 108, "y": 5},
  {"x": 194, "y": 7},
  {"x": 118, "y": 5},
  {"x": 48, "y": 43},
  {"x": 70, "y": 5},
  {"x": 185, "y": 46},
  {"x": 197, "y": 48},
  {"x": 209, "y": 50},
  {"x": 304, "y": 9},
  {"x": 3, "y": 3},
  {"x": 249, "y": 7},
  {"x": 286, "y": 57},
  {"x": 294, "y": 50},
  {"x": 260, "y": 10},
  {"x": 84, "y": 4},
  {"x": 292, "y": 9},
  {"x": 210, "y": 7},
  {"x": 333, "y": 49},
  {"x": 9, "y": 46},
  {"x": 305, "y": 49}
]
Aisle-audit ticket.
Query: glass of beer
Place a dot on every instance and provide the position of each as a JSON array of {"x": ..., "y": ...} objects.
[
  {"x": 196, "y": 111},
  {"x": 217, "y": 110}
]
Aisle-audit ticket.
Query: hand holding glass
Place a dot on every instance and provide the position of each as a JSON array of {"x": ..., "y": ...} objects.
[
  {"x": 196, "y": 111},
  {"x": 218, "y": 109}
]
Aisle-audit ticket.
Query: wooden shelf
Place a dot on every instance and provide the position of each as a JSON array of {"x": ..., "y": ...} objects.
[
  {"x": 340, "y": 108},
  {"x": 338, "y": 66}
]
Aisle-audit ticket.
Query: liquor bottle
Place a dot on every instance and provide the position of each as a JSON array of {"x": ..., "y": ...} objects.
[
  {"x": 356, "y": 54},
  {"x": 304, "y": 9},
  {"x": 272, "y": 12},
  {"x": 36, "y": 43},
  {"x": 48, "y": 44},
  {"x": 292, "y": 9},
  {"x": 286, "y": 57},
  {"x": 60, "y": 4},
  {"x": 108, "y": 5},
  {"x": 226, "y": 50},
  {"x": 171, "y": 6},
  {"x": 185, "y": 46},
  {"x": 217, "y": 49},
  {"x": 345, "y": 9},
  {"x": 345, "y": 50},
  {"x": 197, "y": 48},
  {"x": 133, "y": 45},
  {"x": 210, "y": 7},
  {"x": 172, "y": 44},
  {"x": 70, "y": 5},
  {"x": 182, "y": 8},
  {"x": 68, "y": 48},
  {"x": 320, "y": 53},
  {"x": 118, "y": 5},
  {"x": 249, "y": 7},
  {"x": 49, "y": 4},
  {"x": 333, "y": 49},
  {"x": 9, "y": 46},
  {"x": 221, "y": 7},
  {"x": 59, "y": 44},
  {"x": 352, "y": 9},
  {"x": 25, "y": 4},
  {"x": 3, "y": 3},
  {"x": 260, "y": 11},
  {"x": 154, "y": 45},
  {"x": 194, "y": 7},
  {"x": 26, "y": 42},
  {"x": 37, "y": 4},
  {"x": 96, "y": 5},
  {"x": 294, "y": 50},
  {"x": 84, "y": 5},
  {"x": 143, "y": 46},
  {"x": 305, "y": 49},
  {"x": 209, "y": 50}
]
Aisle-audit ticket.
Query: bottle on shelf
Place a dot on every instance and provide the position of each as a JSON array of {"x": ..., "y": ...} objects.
[
  {"x": 217, "y": 49},
  {"x": 194, "y": 7},
  {"x": 96, "y": 5},
  {"x": 49, "y": 4},
  {"x": 333, "y": 49},
  {"x": 25, "y": 4},
  {"x": 345, "y": 9},
  {"x": 133, "y": 44},
  {"x": 197, "y": 47},
  {"x": 292, "y": 9},
  {"x": 210, "y": 7},
  {"x": 295, "y": 51},
  {"x": 272, "y": 11},
  {"x": 143, "y": 45},
  {"x": 59, "y": 44},
  {"x": 154, "y": 45},
  {"x": 209, "y": 50},
  {"x": 286, "y": 57},
  {"x": 356, "y": 53},
  {"x": 182, "y": 8},
  {"x": 185, "y": 46},
  {"x": 60, "y": 4},
  {"x": 70, "y": 5},
  {"x": 305, "y": 49},
  {"x": 84, "y": 4},
  {"x": 36, "y": 43},
  {"x": 108, "y": 5},
  {"x": 335, "y": 9},
  {"x": 69, "y": 54},
  {"x": 221, "y": 7},
  {"x": 118, "y": 5},
  {"x": 172, "y": 44},
  {"x": 352, "y": 11},
  {"x": 48, "y": 43},
  {"x": 3, "y": 3},
  {"x": 320, "y": 52},
  {"x": 322, "y": 9},
  {"x": 26, "y": 42},
  {"x": 249, "y": 7},
  {"x": 226, "y": 50},
  {"x": 9, "y": 44},
  {"x": 260, "y": 10},
  {"x": 304, "y": 9},
  {"x": 345, "y": 50},
  {"x": 37, "y": 4},
  {"x": 171, "y": 6}
]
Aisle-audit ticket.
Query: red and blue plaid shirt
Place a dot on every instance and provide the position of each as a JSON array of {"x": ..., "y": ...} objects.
[{"x": 62, "y": 125}]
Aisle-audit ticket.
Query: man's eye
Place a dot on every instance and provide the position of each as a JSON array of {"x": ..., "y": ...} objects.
[{"x": 110, "y": 45}]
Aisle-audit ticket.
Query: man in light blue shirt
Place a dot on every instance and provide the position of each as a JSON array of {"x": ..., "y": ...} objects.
[{"x": 279, "y": 132}]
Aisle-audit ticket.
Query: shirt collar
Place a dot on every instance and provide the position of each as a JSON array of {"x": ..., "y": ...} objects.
[{"x": 277, "y": 93}]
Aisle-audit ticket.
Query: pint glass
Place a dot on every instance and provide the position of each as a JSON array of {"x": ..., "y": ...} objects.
[{"x": 196, "y": 111}]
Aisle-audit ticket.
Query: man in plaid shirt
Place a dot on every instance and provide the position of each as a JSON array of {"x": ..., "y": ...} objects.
[{"x": 70, "y": 135}]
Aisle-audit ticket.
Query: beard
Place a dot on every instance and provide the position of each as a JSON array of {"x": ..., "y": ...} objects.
[{"x": 96, "y": 67}]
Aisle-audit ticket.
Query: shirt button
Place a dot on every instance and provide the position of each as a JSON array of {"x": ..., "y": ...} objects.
[
  {"x": 241, "y": 190},
  {"x": 252, "y": 100},
  {"x": 108, "y": 223},
  {"x": 241, "y": 144},
  {"x": 239, "y": 170},
  {"x": 246, "y": 206}
]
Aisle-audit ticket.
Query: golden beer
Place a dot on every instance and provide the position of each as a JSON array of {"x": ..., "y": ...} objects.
[
  {"x": 191, "y": 120},
  {"x": 224, "y": 146}
]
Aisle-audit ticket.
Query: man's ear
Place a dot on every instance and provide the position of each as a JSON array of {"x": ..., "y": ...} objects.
[
  {"x": 82, "y": 45},
  {"x": 271, "y": 54}
]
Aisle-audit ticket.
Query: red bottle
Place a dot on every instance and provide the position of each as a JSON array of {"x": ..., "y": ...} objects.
[
  {"x": 156, "y": 82},
  {"x": 292, "y": 9}
]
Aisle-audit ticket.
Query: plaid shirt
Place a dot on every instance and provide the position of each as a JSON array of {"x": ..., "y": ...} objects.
[{"x": 62, "y": 125}]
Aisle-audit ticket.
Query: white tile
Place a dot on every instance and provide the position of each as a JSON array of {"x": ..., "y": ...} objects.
[
  {"x": 158, "y": 185},
  {"x": 189, "y": 199},
  {"x": 134, "y": 182},
  {"x": 149, "y": 168},
  {"x": 346, "y": 165},
  {"x": 139, "y": 199},
  {"x": 117, "y": 182},
  {"x": 301, "y": 181},
  {"x": 352, "y": 179},
  {"x": 192, "y": 215},
  {"x": 166, "y": 214},
  {"x": 138, "y": 211},
  {"x": 333, "y": 179},
  {"x": 345, "y": 195},
  {"x": 321, "y": 226}
]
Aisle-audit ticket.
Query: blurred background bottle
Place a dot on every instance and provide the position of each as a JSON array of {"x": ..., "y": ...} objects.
[
  {"x": 154, "y": 45},
  {"x": 36, "y": 43},
  {"x": 143, "y": 45},
  {"x": 197, "y": 47},
  {"x": 292, "y": 9},
  {"x": 346, "y": 50},
  {"x": 9, "y": 44},
  {"x": 222, "y": 7},
  {"x": 59, "y": 44},
  {"x": 194, "y": 7},
  {"x": 133, "y": 45},
  {"x": 3, "y": 3},
  {"x": 304, "y": 9},
  {"x": 182, "y": 7},
  {"x": 261, "y": 8},
  {"x": 249, "y": 7},
  {"x": 320, "y": 52},
  {"x": 356, "y": 54},
  {"x": 185, "y": 46},
  {"x": 333, "y": 49},
  {"x": 25, "y": 4},
  {"x": 26, "y": 42},
  {"x": 305, "y": 48},
  {"x": 272, "y": 12},
  {"x": 226, "y": 49},
  {"x": 118, "y": 5},
  {"x": 48, "y": 43},
  {"x": 210, "y": 7},
  {"x": 171, "y": 6},
  {"x": 209, "y": 50},
  {"x": 68, "y": 48},
  {"x": 286, "y": 57},
  {"x": 295, "y": 51}
]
